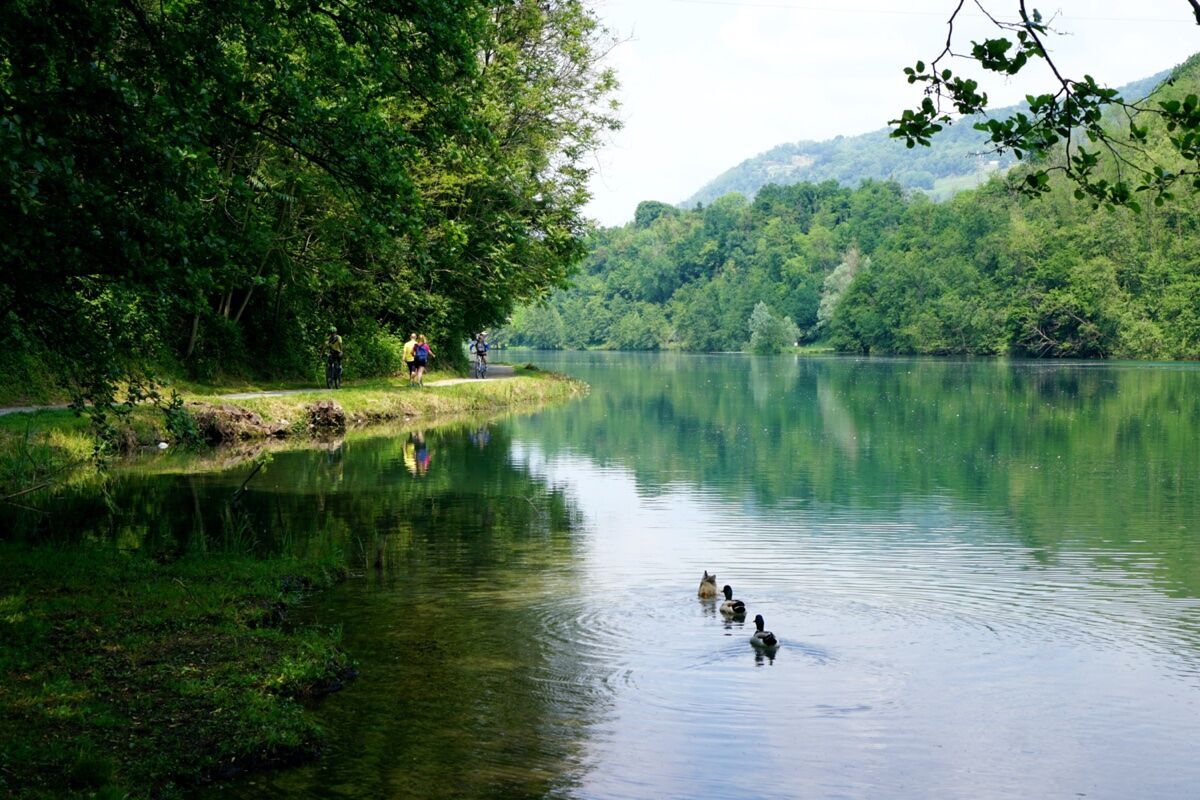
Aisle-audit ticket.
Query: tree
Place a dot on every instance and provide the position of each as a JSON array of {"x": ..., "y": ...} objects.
[
  {"x": 643, "y": 327},
  {"x": 208, "y": 185},
  {"x": 1070, "y": 118},
  {"x": 540, "y": 327},
  {"x": 836, "y": 284},
  {"x": 650, "y": 210},
  {"x": 770, "y": 334}
]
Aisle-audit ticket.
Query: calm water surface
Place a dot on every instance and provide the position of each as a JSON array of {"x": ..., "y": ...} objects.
[{"x": 986, "y": 578}]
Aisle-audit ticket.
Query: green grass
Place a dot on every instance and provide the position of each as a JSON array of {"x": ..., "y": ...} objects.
[
  {"x": 41, "y": 449},
  {"x": 122, "y": 676},
  {"x": 54, "y": 445},
  {"x": 812, "y": 347}
]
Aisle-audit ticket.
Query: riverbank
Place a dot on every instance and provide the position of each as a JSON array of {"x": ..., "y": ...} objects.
[
  {"x": 46, "y": 447},
  {"x": 130, "y": 674},
  {"x": 121, "y": 676}
]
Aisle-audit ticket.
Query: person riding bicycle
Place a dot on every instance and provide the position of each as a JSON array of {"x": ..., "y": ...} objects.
[
  {"x": 333, "y": 350},
  {"x": 479, "y": 347}
]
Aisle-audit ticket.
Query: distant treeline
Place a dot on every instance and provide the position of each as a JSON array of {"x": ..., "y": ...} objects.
[
  {"x": 205, "y": 187},
  {"x": 879, "y": 270}
]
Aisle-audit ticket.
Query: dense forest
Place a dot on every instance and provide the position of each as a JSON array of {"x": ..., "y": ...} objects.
[
  {"x": 202, "y": 188},
  {"x": 879, "y": 269}
]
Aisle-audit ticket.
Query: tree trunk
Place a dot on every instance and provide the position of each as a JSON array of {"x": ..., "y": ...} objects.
[
  {"x": 192, "y": 338},
  {"x": 238, "y": 316}
]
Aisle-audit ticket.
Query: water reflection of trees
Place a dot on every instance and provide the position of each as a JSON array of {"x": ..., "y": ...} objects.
[
  {"x": 473, "y": 682},
  {"x": 469, "y": 688},
  {"x": 1058, "y": 447}
]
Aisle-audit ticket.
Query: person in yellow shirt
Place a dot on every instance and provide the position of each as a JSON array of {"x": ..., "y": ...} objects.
[{"x": 410, "y": 358}]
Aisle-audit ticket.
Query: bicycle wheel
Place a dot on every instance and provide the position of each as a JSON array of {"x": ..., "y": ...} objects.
[
  {"x": 328, "y": 374},
  {"x": 337, "y": 375}
]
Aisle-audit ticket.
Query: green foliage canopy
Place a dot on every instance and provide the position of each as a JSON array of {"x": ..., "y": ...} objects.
[
  {"x": 207, "y": 186},
  {"x": 1067, "y": 129}
]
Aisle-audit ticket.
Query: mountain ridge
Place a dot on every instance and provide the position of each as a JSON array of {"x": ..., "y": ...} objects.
[{"x": 952, "y": 163}]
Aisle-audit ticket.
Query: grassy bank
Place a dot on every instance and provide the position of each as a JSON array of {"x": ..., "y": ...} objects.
[
  {"x": 122, "y": 676},
  {"x": 48, "y": 446}
]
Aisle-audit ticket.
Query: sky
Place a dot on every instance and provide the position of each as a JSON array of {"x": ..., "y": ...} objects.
[{"x": 706, "y": 84}]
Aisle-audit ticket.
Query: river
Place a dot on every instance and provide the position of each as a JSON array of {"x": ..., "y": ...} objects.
[{"x": 985, "y": 577}]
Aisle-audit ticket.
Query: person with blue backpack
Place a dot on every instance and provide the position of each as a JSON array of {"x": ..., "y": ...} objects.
[{"x": 421, "y": 355}]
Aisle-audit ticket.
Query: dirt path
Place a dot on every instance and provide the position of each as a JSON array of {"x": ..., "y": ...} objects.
[
  {"x": 29, "y": 409},
  {"x": 496, "y": 371}
]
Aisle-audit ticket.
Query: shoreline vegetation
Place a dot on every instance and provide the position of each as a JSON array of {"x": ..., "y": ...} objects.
[
  {"x": 44, "y": 448},
  {"x": 127, "y": 675}
]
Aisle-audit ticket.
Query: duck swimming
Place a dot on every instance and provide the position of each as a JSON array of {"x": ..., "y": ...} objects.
[
  {"x": 731, "y": 607},
  {"x": 708, "y": 586},
  {"x": 761, "y": 638}
]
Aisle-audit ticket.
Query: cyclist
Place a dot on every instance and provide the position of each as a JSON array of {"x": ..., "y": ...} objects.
[
  {"x": 410, "y": 358},
  {"x": 333, "y": 359},
  {"x": 479, "y": 348}
]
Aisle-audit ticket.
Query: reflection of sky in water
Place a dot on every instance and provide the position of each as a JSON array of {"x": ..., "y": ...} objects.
[{"x": 928, "y": 652}]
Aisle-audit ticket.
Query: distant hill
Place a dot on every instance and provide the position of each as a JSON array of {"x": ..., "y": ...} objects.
[{"x": 950, "y": 165}]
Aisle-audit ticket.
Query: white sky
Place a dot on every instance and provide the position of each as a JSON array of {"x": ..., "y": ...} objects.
[{"x": 709, "y": 83}]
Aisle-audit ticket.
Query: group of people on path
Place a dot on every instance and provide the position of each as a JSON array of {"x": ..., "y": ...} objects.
[{"x": 417, "y": 353}]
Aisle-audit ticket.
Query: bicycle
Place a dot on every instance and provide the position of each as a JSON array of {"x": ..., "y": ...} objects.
[
  {"x": 480, "y": 366},
  {"x": 333, "y": 372}
]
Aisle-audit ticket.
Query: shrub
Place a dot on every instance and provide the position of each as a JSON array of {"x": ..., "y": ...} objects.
[
  {"x": 769, "y": 333},
  {"x": 373, "y": 353}
]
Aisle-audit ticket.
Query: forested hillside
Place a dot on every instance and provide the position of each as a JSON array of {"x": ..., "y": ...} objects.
[
  {"x": 200, "y": 188},
  {"x": 879, "y": 270},
  {"x": 951, "y": 163}
]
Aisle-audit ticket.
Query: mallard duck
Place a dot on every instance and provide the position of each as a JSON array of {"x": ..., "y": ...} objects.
[
  {"x": 761, "y": 638},
  {"x": 708, "y": 586},
  {"x": 731, "y": 607}
]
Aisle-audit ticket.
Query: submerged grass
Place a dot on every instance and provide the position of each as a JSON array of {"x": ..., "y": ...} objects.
[{"x": 123, "y": 676}]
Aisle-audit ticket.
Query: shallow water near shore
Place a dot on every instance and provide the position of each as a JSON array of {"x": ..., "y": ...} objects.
[{"x": 985, "y": 577}]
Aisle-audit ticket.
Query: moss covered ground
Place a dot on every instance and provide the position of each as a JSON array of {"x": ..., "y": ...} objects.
[{"x": 121, "y": 676}]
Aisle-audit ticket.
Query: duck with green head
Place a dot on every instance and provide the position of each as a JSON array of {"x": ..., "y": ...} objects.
[
  {"x": 731, "y": 607},
  {"x": 761, "y": 639}
]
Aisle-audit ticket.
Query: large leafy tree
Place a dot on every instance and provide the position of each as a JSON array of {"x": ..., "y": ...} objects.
[
  {"x": 1067, "y": 129},
  {"x": 206, "y": 184}
]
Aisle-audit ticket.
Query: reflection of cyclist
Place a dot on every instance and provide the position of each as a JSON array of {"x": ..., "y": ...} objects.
[
  {"x": 480, "y": 437},
  {"x": 333, "y": 354}
]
